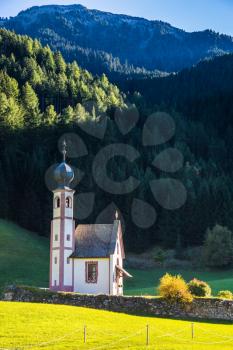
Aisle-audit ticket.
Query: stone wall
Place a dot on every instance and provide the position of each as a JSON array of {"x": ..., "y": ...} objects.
[{"x": 200, "y": 308}]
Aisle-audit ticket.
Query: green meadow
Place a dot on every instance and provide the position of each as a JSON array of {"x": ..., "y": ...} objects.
[
  {"x": 36, "y": 326},
  {"x": 144, "y": 281},
  {"x": 24, "y": 259}
]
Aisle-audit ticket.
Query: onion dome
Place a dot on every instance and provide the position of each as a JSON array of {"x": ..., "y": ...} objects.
[{"x": 63, "y": 173}]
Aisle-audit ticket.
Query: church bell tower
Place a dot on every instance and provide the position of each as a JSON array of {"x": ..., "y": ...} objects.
[{"x": 62, "y": 241}]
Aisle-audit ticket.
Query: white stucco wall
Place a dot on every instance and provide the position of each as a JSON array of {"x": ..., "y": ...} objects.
[
  {"x": 62, "y": 224},
  {"x": 116, "y": 259},
  {"x": 68, "y": 230},
  {"x": 111, "y": 275},
  {"x": 68, "y": 211},
  {"x": 56, "y": 211},
  {"x": 56, "y": 231},
  {"x": 75, "y": 270},
  {"x": 102, "y": 285},
  {"x": 68, "y": 268},
  {"x": 55, "y": 267}
]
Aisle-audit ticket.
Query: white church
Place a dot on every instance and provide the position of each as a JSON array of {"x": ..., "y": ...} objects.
[{"x": 86, "y": 259}]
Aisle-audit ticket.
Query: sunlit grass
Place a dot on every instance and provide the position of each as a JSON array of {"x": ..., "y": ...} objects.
[{"x": 61, "y": 327}]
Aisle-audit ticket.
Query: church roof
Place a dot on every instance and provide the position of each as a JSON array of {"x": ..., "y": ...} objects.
[{"x": 95, "y": 241}]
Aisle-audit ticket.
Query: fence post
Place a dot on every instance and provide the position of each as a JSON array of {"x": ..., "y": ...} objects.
[
  {"x": 85, "y": 334},
  {"x": 192, "y": 328},
  {"x": 147, "y": 334}
]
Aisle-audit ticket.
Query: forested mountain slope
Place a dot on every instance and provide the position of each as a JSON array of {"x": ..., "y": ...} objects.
[
  {"x": 36, "y": 85},
  {"x": 117, "y": 44},
  {"x": 42, "y": 97},
  {"x": 202, "y": 93}
]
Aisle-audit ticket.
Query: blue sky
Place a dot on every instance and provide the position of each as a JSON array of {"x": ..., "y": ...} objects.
[{"x": 187, "y": 14}]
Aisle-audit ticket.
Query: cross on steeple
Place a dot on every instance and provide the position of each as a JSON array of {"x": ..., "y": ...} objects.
[{"x": 64, "y": 152}]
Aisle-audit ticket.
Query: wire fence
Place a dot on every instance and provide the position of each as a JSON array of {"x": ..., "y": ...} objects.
[{"x": 189, "y": 334}]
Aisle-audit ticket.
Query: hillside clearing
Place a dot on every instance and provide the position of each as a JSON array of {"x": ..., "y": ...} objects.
[
  {"x": 24, "y": 256},
  {"x": 24, "y": 325},
  {"x": 24, "y": 259}
]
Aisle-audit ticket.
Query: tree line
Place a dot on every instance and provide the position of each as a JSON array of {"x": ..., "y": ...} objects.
[{"x": 43, "y": 97}]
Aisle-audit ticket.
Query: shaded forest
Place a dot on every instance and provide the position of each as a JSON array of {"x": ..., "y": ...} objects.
[{"x": 42, "y": 97}]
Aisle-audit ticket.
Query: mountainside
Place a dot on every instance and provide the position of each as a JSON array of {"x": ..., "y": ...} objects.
[
  {"x": 42, "y": 98},
  {"x": 117, "y": 44},
  {"x": 201, "y": 93},
  {"x": 33, "y": 79}
]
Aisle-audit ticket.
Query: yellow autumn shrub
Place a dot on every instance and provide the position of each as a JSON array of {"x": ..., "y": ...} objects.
[{"x": 174, "y": 289}]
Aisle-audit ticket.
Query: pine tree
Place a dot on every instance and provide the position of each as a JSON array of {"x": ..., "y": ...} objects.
[
  {"x": 31, "y": 106},
  {"x": 8, "y": 85},
  {"x": 11, "y": 113},
  {"x": 80, "y": 114},
  {"x": 67, "y": 116},
  {"x": 75, "y": 70},
  {"x": 218, "y": 247},
  {"x": 104, "y": 81},
  {"x": 60, "y": 63},
  {"x": 46, "y": 58},
  {"x": 50, "y": 116}
]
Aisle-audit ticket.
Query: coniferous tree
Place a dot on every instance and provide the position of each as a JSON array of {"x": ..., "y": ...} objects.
[
  {"x": 50, "y": 116},
  {"x": 60, "y": 63},
  {"x": 41, "y": 99},
  {"x": 67, "y": 115},
  {"x": 218, "y": 247},
  {"x": 31, "y": 106},
  {"x": 11, "y": 113}
]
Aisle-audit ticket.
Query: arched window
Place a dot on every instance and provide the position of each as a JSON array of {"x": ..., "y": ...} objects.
[
  {"x": 68, "y": 202},
  {"x": 57, "y": 202}
]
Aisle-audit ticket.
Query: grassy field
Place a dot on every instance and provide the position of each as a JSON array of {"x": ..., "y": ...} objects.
[
  {"x": 36, "y": 326},
  {"x": 24, "y": 259},
  {"x": 144, "y": 282}
]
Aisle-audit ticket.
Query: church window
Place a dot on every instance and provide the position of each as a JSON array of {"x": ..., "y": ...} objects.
[
  {"x": 68, "y": 237},
  {"x": 57, "y": 202},
  {"x": 68, "y": 260},
  {"x": 56, "y": 238},
  {"x": 117, "y": 248},
  {"x": 68, "y": 202},
  {"x": 91, "y": 271},
  {"x": 55, "y": 260}
]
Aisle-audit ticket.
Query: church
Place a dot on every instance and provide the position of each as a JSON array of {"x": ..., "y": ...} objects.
[{"x": 86, "y": 259}]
